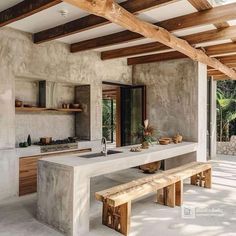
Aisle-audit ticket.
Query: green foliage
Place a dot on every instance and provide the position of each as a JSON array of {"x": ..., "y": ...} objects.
[
  {"x": 226, "y": 108},
  {"x": 106, "y": 118}
]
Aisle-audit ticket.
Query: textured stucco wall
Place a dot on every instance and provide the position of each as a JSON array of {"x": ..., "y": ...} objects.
[
  {"x": 51, "y": 124},
  {"x": 20, "y": 58},
  {"x": 172, "y": 96},
  {"x": 53, "y": 61},
  {"x": 176, "y": 99}
]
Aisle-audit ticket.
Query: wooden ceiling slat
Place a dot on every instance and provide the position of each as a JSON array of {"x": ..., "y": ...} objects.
[
  {"x": 115, "y": 13},
  {"x": 155, "y": 58},
  {"x": 200, "y": 5},
  {"x": 25, "y": 9},
  {"x": 93, "y": 21},
  {"x": 220, "y": 49},
  {"x": 228, "y": 60},
  {"x": 207, "y": 36},
  {"x": 212, "y": 16}
]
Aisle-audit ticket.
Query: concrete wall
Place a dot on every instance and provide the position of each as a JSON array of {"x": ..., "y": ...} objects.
[
  {"x": 28, "y": 123},
  {"x": 20, "y": 58},
  {"x": 176, "y": 99}
]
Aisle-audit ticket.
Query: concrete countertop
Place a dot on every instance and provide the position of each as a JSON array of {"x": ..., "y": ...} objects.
[{"x": 154, "y": 153}]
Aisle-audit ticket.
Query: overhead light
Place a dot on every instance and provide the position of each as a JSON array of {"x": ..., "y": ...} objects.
[{"x": 64, "y": 12}]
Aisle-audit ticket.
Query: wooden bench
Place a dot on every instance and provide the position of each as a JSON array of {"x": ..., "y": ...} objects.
[{"x": 168, "y": 185}]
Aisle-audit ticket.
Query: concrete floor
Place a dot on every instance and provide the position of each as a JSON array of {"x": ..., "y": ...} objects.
[{"x": 215, "y": 209}]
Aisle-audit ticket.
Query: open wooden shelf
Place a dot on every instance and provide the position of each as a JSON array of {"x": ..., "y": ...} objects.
[{"x": 40, "y": 109}]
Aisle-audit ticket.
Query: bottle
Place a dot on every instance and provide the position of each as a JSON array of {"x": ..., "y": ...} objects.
[{"x": 29, "y": 140}]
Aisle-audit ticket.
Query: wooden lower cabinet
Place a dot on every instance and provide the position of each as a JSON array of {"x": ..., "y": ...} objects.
[
  {"x": 28, "y": 175},
  {"x": 28, "y": 171}
]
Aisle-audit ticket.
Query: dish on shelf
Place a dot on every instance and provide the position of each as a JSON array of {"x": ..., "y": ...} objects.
[
  {"x": 18, "y": 103},
  {"x": 75, "y": 106},
  {"x": 164, "y": 141}
]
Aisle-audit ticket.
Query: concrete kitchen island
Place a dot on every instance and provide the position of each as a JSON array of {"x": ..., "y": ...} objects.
[{"x": 64, "y": 182}]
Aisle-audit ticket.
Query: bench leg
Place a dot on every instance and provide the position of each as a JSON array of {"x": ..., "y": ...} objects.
[
  {"x": 207, "y": 175},
  {"x": 203, "y": 179},
  {"x": 117, "y": 218},
  {"x": 166, "y": 196},
  {"x": 194, "y": 180},
  {"x": 179, "y": 193}
]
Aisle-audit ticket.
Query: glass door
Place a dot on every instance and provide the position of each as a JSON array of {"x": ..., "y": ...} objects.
[{"x": 133, "y": 113}]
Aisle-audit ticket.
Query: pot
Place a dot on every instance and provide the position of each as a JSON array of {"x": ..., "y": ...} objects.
[
  {"x": 145, "y": 145},
  {"x": 151, "y": 167},
  {"x": 46, "y": 140},
  {"x": 18, "y": 103}
]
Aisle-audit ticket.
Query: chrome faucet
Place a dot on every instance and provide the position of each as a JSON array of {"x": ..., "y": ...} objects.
[{"x": 104, "y": 146}]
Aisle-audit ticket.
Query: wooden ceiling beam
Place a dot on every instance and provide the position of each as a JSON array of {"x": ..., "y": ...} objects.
[
  {"x": 230, "y": 61},
  {"x": 207, "y": 36},
  {"x": 219, "y": 49},
  {"x": 200, "y": 5},
  {"x": 220, "y": 77},
  {"x": 93, "y": 21},
  {"x": 155, "y": 58},
  {"x": 24, "y": 9},
  {"x": 211, "y": 16},
  {"x": 118, "y": 15}
]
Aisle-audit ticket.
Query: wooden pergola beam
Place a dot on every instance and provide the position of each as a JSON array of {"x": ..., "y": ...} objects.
[
  {"x": 93, "y": 21},
  {"x": 230, "y": 60},
  {"x": 220, "y": 49},
  {"x": 24, "y": 9},
  {"x": 200, "y": 5},
  {"x": 118, "y": 15},
  {"x": 211, "y": 16},
  {"x": 207, "y": 36},
  {"x": 155, "y": 58}
]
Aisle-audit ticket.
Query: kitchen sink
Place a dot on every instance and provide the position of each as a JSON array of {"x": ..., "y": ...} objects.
[{"x": 99, "y": 154}]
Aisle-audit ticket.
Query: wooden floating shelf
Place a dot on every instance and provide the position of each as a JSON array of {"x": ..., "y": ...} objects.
[{"x": 40, "y": 109}]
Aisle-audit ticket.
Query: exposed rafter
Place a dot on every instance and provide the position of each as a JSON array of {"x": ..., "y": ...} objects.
[
  {"x": 211, "y": 16},
  {"x": 115, "y": 13},
  {"x": 200, "y": 5},
  {"x": 220, "y": 49},
  {"x": 230, "y": 61},
  {"x": 25, "y": 9},
  {"x": 92, "y": 21},
  {"x": 207, "y": 36},
  {"x": 155, "y": 58}
]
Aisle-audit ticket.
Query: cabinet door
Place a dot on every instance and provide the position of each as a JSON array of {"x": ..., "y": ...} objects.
[{"x": 28, "y": 175}]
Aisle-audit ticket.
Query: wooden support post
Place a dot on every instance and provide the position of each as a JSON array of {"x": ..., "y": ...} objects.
[
  {"x": 202, "y": 179},
  {"x": 179, "y": 193},
  {"x": 117, "y": 218},
  {"x": 194, "y": 180},
  {"x": 166, "y": 196},
  {"x": 160, "y": 196},
  {"x": 207, "y": 175}
]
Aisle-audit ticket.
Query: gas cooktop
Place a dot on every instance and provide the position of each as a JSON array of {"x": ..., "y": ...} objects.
[
  {"x": 59, "y": 141},
  {"x": 59, "y": 145}
]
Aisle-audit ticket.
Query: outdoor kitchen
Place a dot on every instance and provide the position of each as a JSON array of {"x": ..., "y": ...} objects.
[{"x": 97, "y": 135}]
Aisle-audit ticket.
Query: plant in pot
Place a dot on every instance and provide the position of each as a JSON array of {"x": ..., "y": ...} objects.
[{"x": 147, "y": 136}]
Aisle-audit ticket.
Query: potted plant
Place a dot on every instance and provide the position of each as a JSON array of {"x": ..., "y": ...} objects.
[{"x": 147, "y": 134}]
